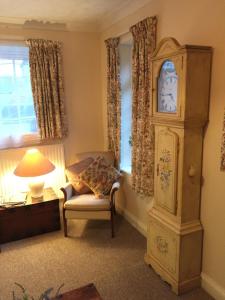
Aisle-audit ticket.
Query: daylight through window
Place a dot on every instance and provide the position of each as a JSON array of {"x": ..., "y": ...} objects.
[
  {"x": 126, "y": 107},
  {"x": 17, "y": 115}
]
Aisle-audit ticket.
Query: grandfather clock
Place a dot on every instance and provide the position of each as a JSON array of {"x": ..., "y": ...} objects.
[{"x": 180, "y": 77}]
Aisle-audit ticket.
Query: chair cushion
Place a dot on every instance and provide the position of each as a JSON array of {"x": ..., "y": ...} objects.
[
  {"x": 72, "y": 173},
  {"x": 87, "y": 202},
  {"x": 99, "y": 176}
]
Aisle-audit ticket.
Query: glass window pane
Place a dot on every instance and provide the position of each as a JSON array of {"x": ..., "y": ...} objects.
[
  {"x": 126, "y": 107},
  {"x": 17, "y": 115}
]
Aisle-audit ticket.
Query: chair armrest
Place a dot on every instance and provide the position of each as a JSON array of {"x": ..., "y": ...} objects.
[
  {"x": 67, "y": 190},
  {"x": 115, "y": 187}
]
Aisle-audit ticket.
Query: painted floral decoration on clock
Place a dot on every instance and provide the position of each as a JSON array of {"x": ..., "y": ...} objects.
[{"x": 165, "y": 169}]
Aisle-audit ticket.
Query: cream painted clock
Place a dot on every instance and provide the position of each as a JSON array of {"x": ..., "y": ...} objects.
[{"x": 180, "y": 78}]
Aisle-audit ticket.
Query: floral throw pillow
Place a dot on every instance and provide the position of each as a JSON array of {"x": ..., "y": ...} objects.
[
  {"x": 73, "y": 172},
  {"x": 99, "y": 176}
]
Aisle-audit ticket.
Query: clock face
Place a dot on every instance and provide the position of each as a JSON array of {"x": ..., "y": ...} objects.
[{"x": 167, "y": 88}]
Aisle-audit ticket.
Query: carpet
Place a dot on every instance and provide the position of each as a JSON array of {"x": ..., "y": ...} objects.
[{"x": 116, "y": 266}]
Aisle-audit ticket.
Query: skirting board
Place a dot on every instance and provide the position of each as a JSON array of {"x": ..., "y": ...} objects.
[
  {"x": 212, "y": 287},
  {"x": 133, "y": 220}
]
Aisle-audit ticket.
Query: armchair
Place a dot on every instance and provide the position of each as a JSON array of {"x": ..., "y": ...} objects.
[{"x": 86, "y": 206}]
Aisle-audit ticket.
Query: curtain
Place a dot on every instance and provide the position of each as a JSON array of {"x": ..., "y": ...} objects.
[
  {"x": 113, "y": 96},
  {"x": 45, "y": 60},
  {"x": 144, "y": 42},
  {"x": 222, "y": 162}
]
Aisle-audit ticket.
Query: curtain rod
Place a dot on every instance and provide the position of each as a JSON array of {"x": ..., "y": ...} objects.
[
  {"x": 120, "y": 34},
  {"x": 12, "y": 41},
  {"x": 11, "y": 38},
  {"x": 126, "y": 37},
  {"x": 124, "y": 33}
]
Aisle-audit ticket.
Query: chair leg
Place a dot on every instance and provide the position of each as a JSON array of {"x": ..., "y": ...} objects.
[
  {"x": 112, "y": 223},
  {"x": 114, "y": 210},
  {"x": 65, "y": 224},
  {"x": 65, "y": 227}
]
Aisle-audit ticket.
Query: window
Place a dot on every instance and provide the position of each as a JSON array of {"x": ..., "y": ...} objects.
[
  {"x": 17, "y": 116},
  {"x": 126, "y": 106}
]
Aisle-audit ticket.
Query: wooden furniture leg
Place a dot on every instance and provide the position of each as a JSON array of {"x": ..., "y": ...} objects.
[
  {"x": 112, "y": 223},
  {"x": 64, "y": 224}
]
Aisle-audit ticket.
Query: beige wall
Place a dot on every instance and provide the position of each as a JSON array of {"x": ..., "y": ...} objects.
[
  {"x": 81, "y": 62},
  {"x": 191, "y": 22}
]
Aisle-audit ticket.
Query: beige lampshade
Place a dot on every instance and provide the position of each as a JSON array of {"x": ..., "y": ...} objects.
[{"x": 33, "y": 164}]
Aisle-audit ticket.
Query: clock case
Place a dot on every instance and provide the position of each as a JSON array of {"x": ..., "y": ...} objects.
[{"x": 174, "y": 237}]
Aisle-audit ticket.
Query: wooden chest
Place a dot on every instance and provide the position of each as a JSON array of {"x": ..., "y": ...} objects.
[{"x": 37, "y": 216}]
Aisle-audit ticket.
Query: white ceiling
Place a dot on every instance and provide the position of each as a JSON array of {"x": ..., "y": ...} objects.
[{"x": 93, "y": 15}]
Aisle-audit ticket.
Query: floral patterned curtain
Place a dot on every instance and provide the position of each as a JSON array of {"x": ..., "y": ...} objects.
[
  {"x": 113, "y": 96},
  {"x": 144, "y": 42},
  {"x": 47, "y": 86},
  {"x": 222, "y": 162}
]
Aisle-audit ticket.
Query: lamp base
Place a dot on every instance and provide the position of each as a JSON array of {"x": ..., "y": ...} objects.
[{"x": 36, "y": 189}]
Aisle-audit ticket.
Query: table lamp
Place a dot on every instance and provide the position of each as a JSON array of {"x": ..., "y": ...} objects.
[{"x": 34, "y": 164}]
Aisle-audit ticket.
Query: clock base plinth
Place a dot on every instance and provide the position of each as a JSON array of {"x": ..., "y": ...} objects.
[
  {"x": 178, "y": 288},
  {"x": 174, "y": 251}
]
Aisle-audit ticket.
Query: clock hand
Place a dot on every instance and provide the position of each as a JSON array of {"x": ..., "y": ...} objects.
[{"x": 169, "y": 94}]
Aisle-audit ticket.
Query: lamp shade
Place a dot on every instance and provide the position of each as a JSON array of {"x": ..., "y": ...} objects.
[{"x": 33, "y": 164}]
